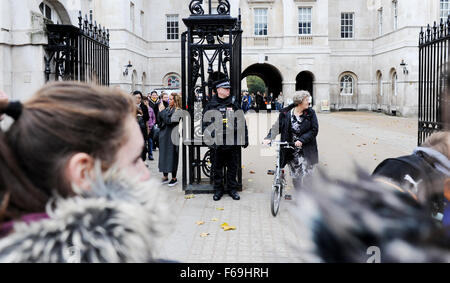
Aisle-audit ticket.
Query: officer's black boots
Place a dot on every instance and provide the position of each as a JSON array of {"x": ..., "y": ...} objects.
[
  {"x": 218, "y": 195},
  {"x": 234, "y": 195}
]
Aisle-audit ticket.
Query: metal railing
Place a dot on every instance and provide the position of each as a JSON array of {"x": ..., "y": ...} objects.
[
  {"x": 78, "y": 53},
  {"x": 434, "y": 45}
]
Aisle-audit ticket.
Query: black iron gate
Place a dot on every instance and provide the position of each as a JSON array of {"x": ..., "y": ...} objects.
[
  {"x": 434, "y": 54},
  {"x": 78, "y": 53},
  {"x": 211, "y": 52}
]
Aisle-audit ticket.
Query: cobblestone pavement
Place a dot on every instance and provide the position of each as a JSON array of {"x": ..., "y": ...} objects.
[{"x": 345, "y": 139}]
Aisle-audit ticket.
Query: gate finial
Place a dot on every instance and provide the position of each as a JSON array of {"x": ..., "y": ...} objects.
[{"x": 222, "y": 9}]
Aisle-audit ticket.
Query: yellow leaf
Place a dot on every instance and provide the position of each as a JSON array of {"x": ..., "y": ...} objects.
[
  {"x": 189, "y": 196},
  {"x": 224, "y": 225},
  {"x": 229, "y": 228},
  {"x": 214, "y": 219},
  {"x": 203, "y": 235},
  {"x": 200, "y": 222},
  {"x": 220, "y": 208}
]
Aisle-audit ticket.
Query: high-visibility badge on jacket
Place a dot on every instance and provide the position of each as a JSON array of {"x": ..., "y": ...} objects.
[{"x": 225, "y": 121}]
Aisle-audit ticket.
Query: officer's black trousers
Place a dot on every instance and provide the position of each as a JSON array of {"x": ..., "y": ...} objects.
[{"x": 226, "y": 156}]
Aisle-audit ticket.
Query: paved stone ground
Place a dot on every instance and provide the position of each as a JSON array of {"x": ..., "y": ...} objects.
[{"x": 345, "y": 139}]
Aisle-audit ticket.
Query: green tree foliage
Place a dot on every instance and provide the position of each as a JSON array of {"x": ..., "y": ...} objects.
[{"x": 255, "y": 84}]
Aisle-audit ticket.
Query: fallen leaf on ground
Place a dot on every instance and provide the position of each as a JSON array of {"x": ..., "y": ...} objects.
[
  {"x": 189, "y": 196},
  {"x": 229, "y": 228},
  {"x": 252, "y": 172},
  {"x": 215, "y": 219},
  {"x": 203, "y": 235},
  {"x": 200, "y": 222},
  {"x": 243, "y": 167},
  {"x": 224, "y": 225},
  {"x": 220, "y": 208}
]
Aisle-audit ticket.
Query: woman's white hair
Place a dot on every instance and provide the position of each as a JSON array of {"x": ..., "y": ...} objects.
[{"x": 301, "y": 96}]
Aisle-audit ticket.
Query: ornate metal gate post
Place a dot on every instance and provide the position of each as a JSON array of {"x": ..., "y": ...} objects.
[
  {"x": 434, "y": 48},
  {"x": 211, "y": 52}
]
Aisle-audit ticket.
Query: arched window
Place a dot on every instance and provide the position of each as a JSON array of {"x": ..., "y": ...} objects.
[
  {"x": 394, "y": 84},
  {"x": 172, "y": 81},
  {"x": 347, "y": 85},
  {"x": 49, "y": 12},
  {"x": 380, "y": 84}
]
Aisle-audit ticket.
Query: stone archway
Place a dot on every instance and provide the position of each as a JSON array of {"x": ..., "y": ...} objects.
[
  {"x": 269, "y": 74},
  {"x": 305, "y": 81},
  {"x": 60, "y": 10}
]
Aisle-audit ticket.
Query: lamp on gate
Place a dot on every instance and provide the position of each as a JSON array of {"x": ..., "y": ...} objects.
[
  {"x": 404, "y": 65},
  {"x": 125, "y": 73}
]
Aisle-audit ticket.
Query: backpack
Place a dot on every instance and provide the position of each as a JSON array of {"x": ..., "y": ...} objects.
[{"x": 412, "y": 171}]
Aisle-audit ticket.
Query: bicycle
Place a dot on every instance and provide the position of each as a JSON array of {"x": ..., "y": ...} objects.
[{"x": 279, "y": 180}]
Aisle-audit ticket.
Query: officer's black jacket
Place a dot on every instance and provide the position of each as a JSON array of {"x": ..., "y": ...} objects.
[{"x": 232, "y": 107}]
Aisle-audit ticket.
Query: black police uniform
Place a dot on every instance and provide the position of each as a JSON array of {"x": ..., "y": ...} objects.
[{"x": 225, "y": 154}]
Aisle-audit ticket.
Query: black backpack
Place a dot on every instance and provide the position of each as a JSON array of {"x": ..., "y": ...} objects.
[{"x": 418, "y": 169}]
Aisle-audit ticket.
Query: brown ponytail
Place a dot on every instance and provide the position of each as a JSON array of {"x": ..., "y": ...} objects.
[{"x": 59, "y": 121}]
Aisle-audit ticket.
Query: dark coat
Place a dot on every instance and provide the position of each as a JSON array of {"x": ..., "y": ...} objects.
[
  {"x": 309, "y": 132},
  {"x": 222, "y": 105},
  {"x": 168, "y": 120},
  {"x": 145, "y": 114}
]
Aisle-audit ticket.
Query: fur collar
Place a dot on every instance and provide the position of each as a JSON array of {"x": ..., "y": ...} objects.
[{"x": 119, "y": 220}]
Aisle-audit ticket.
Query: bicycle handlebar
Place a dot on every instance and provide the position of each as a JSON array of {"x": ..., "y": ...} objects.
[{"x": 286, "y": 144}]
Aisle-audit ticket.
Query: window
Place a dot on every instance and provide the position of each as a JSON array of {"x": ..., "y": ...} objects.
[
  {"x": 380, "y": 21},
  {"x": 49, "y": 13},
  {"x": 172, "y": 27},
  {"x": 132, "y": 16},
  {"x": 260, "y": 21},
  {"x": 304, "y": 21},
  {"x": 395, "y": 84},
  {"x": 395, "y": 8},
  {"x": 347, "y": 25},
  {"x": 173, "y": 81},
  {"x": 380, "y": 85},
  {"x": 347, "y": 85},
  {"x": 445, "y": 9}
]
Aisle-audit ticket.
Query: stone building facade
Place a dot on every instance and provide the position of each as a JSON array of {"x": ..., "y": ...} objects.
[{"x": 351, "y": 54}]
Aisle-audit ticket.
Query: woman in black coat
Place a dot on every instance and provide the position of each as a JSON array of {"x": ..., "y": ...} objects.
[
  {"x": 298, "y": 124},
  {"x": 169, "y": 119}
]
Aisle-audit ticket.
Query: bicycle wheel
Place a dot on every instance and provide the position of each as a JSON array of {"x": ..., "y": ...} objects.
[{"x": 275, "y": 202}]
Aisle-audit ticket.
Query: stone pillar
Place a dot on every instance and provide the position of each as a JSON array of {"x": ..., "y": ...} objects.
[{"x": 288, "y": 92}]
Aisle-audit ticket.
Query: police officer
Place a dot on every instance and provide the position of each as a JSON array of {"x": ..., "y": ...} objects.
[{"x": 224, "y": 124}]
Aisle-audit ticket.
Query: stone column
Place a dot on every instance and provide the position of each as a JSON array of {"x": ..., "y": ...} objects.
[{"x": 288, "y": 92}]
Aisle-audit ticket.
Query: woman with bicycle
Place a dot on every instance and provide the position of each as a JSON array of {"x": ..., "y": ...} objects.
[{"x": 297, "y": 124}]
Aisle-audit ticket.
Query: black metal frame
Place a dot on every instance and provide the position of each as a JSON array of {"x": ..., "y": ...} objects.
[
  {"x": 434, "y": 45},
  {"x": 78, "y": 53},
  {"x": 211, "y": 51}
]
